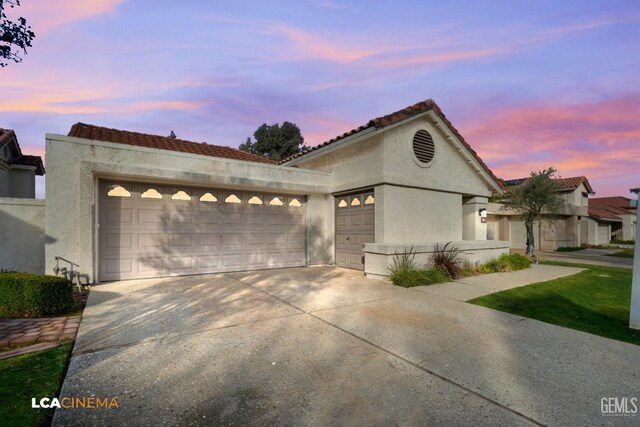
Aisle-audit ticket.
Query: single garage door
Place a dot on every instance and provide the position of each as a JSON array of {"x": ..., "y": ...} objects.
[
  {"x": 603, "y": 234},
  {"x": 354, "y": 227},
  {"x": 148, "y": 230}
]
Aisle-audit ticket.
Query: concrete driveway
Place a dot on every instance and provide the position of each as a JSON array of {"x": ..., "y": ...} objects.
[{"x": 325, "y": 346}]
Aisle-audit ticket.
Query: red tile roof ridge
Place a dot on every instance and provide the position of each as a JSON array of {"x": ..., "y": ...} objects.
[{"x": 101, "y": 133}]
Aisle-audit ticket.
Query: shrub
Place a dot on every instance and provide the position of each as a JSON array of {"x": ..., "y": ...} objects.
[
  {"x": 623, "y": 242},
  {"x": 448, "y": 260},
  {"x": 405, "y": 272},
  {"x": 434, "y": 275},
  {"x": 569, "y": 248},
  {"x": 506, "y": 263},
  {"x": 26, "y": 295}
]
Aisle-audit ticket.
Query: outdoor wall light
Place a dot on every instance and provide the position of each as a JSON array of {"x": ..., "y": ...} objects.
[{"x": 482, "y": 213}]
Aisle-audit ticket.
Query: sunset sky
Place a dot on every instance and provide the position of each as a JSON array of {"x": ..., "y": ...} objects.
[{"x": 529, "y": 84}]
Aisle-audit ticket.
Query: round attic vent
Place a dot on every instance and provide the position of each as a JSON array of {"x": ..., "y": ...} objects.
[{"x": 423, "y": 146}]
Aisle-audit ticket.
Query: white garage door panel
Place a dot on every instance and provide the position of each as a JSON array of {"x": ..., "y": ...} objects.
[
  {"x": 354, "y": 227},
  {"x": 150, "y": 237}
]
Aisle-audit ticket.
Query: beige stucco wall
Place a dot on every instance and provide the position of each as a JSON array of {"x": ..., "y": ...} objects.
[
  {"x": 451, "y": 170},
  {"x": 4, "y": 180},
  {"x": 628, "y": 227},
  {"x": 23, "y": 181},
  {"x": 415, "y": 203},
  {"x": 22, "y": 236},
  {"x": 386, "y": 157},
  {"x": 77, "y": 164},
  {"x": 411, "y": 215},
  {"x": 359, "y": 165},
  {"x": 17, "y": 181},
  {"x": 379, "y": 257}
]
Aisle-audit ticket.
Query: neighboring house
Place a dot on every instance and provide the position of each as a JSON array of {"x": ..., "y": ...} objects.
[
  {"x": 617, "y": 213},
  {"x": 567, "y": 229},
  {"x": 17, "y": 171},
  {"x": 21, "y": 216},
  {"x": 130, "y": 205}
]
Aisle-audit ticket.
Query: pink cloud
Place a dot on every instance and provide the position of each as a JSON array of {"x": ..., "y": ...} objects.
[
  {"x": 598, "y": 139},
  {"x": 310, "y": 45},
  {"x": 46, "y": 15},
  {"x": 439, "y": 58}
]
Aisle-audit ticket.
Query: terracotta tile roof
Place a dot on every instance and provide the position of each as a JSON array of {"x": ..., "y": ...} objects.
[
  {"x": 604, "y": 202},
  {"x": 97, "y": 133},
  {"x": 601, "y": 214},
  {"x": 565, "y": 183},
  {"x": 7, "y": 135},
  {"x": 30, "y": 161},
  {"x": 396, "y": 117}
]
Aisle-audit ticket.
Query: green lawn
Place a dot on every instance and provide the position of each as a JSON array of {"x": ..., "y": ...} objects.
[
  {"x": 596, "y": 301},
  {"x": 32, "y": 375},
  {"x": 624, "y": 253}
]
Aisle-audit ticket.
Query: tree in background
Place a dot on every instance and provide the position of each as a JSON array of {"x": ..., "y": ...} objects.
[
  {"x": 535, "y": 196},
  {"x": 275, "y": 142},
  {"x": 13, "y": 36}
]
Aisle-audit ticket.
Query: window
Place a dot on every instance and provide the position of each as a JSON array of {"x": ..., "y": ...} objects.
[
  {"x": 342, "y": 203},
  {"x": 295, "y": 203},
  {"x": 255, "y": 200},
  {"x": 118, "y": 191},
  {"x": 180, "y": 195},
  {"x": 355, "y": 201},
  {"x": 370, "y": 200},
  {"x": 208, "y": 197},
  {"x": 232, "y": 198},
  {"x": 276, "y": 201},
  {"x": 151, "y": 193},
  {"x": 423, "y": 146}
]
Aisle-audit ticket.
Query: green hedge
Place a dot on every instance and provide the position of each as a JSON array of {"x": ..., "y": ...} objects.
[
  {"x": 505, "y": 263},
  {"x": 27, "y": 295}
]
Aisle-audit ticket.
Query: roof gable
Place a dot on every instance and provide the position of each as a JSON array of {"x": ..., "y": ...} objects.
[
  {"x": 98, "y": 133},
  {"x": 8, "y": 136},
  {"x": 397, "y": 117}
]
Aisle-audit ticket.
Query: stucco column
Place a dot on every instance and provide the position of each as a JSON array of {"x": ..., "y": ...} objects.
[
  {"x": 472, "y": 226},
  {"x": 634, "y": 318}
]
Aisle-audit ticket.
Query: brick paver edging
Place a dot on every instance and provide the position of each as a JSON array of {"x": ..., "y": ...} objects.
[{"x": 28, "y": 331}]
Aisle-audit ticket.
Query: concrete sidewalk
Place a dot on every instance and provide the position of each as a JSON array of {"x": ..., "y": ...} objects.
[
  {"x": 588, "y": 256},
  {"x": 476, "y": 286}
]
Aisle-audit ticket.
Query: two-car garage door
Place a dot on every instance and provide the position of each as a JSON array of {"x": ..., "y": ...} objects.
[{"x": 149, "y": 230}]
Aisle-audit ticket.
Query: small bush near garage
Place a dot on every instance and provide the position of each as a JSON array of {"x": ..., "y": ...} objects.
[
  {"x": 447, "y": 259},
  {"x": 406, "y": 273},
  {"x": 29, "y": 295},
  {"x": 505, "y": 263}
]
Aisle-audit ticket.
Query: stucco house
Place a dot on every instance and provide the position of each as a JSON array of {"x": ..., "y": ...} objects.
[
  {"x": 617, "y": 215},
  {"x": 128, "y": 205},
  {"x": 17, "y": 171},
  {"x": 21, "y": 215},
  {"x": 568, "y": 229}
]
